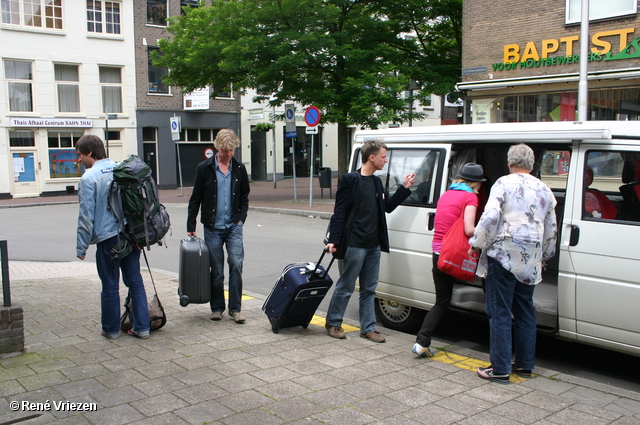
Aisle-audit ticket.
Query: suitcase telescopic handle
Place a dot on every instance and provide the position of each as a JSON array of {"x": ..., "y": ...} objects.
[{"x": 324, "y": 251}]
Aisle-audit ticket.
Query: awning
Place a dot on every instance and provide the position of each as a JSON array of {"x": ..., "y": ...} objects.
[{"x": 620, "y": 74}]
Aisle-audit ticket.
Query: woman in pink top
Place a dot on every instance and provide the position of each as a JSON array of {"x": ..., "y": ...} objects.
[{"x": 462, "y": 195}]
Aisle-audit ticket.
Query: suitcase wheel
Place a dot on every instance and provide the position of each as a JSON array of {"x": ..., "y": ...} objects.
[
  {"x": 305, "y": 326},
  {"x": 275, "y": 329},
  {"x": 184, "y": 300}
]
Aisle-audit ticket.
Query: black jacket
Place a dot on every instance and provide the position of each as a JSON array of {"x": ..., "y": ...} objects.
[
  {"x": 346, "y": 198},
  {"x": 205, "y": 191}
]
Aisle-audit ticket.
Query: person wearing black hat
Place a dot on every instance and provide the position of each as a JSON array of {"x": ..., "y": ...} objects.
[
  {"x": 517, "y": 234},
  {"x": 461, "y": 196}
]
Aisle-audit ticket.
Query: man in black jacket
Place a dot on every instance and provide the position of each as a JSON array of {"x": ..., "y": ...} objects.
[
  {"x": 221, "y": 193},
  {"x": 364, "y": 192}
]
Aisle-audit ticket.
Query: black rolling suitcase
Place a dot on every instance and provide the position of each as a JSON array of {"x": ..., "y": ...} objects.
[
  {"x": 194, "y": 272},
  {"x": 296, "y": 295}
]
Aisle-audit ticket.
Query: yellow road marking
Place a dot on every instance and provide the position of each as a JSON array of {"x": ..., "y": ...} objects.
[
  {"x": 243, "y": 298},
  {"x": 441, "y": 356}
]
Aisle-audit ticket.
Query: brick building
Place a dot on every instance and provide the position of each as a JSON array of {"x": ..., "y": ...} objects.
[
  {"x": 201, "y": 115},
  {"x": 521, "y": 60}
]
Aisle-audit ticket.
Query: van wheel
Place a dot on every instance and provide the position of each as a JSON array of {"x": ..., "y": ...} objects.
[{"x": 399, "y": 317}]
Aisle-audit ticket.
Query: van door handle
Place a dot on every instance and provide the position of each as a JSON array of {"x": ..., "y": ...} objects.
[
  {"x": 431, "y": 219},
  {"x": 575, "y": 235}
]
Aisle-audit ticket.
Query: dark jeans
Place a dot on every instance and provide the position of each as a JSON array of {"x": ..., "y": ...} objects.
[
  {"x": 444, "y": 287},
  {"x": 216, "y": 240},
  {"x": 506, "y": 297}
]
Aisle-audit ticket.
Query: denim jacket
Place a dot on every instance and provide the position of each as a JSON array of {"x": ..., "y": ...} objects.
[{"x": 96, "y": 220}]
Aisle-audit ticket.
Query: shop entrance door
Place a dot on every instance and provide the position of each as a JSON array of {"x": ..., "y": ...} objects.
[{"x": 24, "y": 180}]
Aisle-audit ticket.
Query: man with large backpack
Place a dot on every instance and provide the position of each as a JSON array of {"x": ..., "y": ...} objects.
[{"x": 97, "y": 224}]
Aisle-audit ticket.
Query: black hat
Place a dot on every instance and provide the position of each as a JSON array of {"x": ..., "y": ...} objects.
[{"x": 472, "y": 172}]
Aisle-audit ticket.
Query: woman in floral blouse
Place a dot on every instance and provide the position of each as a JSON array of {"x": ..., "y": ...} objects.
[{"x": 517, "y": 234}]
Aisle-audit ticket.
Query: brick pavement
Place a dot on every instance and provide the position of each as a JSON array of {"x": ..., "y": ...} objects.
[{"x": 194, "y": 371}]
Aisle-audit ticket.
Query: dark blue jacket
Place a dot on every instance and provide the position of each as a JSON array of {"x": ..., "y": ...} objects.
[
  {"x": 346, "y": 198},
  {"x": 205, "y": 192}
]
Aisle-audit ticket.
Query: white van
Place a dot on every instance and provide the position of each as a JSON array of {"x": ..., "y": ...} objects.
[{"x": 591, "y": 289}]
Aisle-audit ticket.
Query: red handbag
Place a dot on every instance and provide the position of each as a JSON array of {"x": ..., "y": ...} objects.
[{"x": 454, "y": 257}]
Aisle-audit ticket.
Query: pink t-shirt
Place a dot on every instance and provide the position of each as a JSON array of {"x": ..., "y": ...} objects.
[{"x": 448, "y": 209}]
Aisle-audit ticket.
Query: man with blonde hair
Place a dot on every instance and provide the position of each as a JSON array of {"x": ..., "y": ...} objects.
[{"x": 221, "y": 193}]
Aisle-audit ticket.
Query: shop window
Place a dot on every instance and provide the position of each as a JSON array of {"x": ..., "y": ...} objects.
[
  {"x": 45, "y": 14},
  {"x": 204, "y": 135},
  {"x": 21, "y": 138},
  {"x": 600, "y": 9},
  {"x": 67, "y": 87},
  {"x": 19, "y": 77},
  {"x": 157, "y": 12},
  {"x": 156, "y": 74},
  {"x": 111, "y": 89},
  {"x": 103, "y": 17},
  {"x": 63, "y": 158}
]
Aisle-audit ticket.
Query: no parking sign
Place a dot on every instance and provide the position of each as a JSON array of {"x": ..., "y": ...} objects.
[{"x": 312, "y": 116}]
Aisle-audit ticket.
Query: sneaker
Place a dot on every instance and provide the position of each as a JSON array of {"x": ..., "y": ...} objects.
[
  {"x": 237, "y": 317},
  {"x": 216, "y": 316},
  {"x": 110, "y": 336},
  {"x": 422, "y": 351},
  {"x": 143, "y": 335},
  {"x": 523, "y": 373},
  {"x": 373, "y": 336},
  {"x": 489, "y": 374},
  {"x": 335, "y": 331}
]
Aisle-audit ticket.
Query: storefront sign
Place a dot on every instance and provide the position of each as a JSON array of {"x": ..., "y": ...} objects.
[
  {"x": 537, "y": 55},
  {"x": 51, "y": 122},
  {"x": 196, "y": 100}
]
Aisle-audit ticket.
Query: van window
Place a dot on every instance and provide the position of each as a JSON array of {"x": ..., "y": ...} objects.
[
  {"x": 554, "y": 168},
  {"x": 611, "y": 187},
  {"x": 425, "y": 163}
]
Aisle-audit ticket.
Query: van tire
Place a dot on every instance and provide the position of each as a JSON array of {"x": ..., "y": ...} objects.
[{"x": 399, "y": 317}]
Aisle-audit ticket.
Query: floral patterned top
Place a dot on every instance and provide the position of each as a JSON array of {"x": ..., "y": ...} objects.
[{"x": 518, "y": 227}]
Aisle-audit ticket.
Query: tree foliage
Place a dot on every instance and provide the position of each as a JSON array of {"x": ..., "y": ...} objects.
[{"x": 347, "y": 57}]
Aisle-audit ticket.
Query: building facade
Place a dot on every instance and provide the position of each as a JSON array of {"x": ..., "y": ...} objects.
[
  {"x": 521, "y": 60},
  {"x": 63, "y": 71},
  {"x": 201, "y": 113}
]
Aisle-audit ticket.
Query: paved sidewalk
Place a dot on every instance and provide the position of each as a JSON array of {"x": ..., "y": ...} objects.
[{"x": 195, "y": 371}]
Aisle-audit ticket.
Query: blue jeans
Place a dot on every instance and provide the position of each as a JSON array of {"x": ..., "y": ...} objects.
[
  {"x": 110, "y": 295},
  {"x": 363, "y": 263},
  {"x": 232, "y": 238},
  {"x": 505, "y": 296}
]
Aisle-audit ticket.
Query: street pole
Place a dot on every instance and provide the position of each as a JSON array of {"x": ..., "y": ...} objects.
[
  {"x": 293, "y": 158},
  {"x": 273, "y": 121},
  {"x": 583, "y": 86},
  {"x": 106, "y": 135},
  {"x": 311, "y": 159}
]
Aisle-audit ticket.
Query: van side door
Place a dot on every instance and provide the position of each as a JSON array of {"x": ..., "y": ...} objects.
[{"x": 603, "y": 246}]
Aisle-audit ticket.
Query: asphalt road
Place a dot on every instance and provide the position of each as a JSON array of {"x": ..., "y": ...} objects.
[{"x": 47, "y": 233}]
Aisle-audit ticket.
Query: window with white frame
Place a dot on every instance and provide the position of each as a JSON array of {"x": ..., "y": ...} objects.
[
  {"x": 157, "y": 12},
  {"x": 156, "y": 74},
  {"x": 223, "y": 92},
  {"x": 67, "y": 87},
  {"x": 188, "y": 4},
  {"x": 21, "y": 138},
  {"x": 111, "y": 89},
  {"x": 600, "y": 9},
  {"x": 103, "y": 17},
  {"x": 45, "y": 14},
  {"x": 19, "y": 77}
]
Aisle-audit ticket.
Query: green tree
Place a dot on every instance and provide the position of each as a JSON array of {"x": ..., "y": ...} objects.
[{"x": 347, "y": 57}]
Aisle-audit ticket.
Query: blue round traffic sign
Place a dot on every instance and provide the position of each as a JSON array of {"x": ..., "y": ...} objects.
[{"x": 312, "y": 116}]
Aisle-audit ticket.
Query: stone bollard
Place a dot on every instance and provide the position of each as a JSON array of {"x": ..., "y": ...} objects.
[{"x": 11, "y": 329}]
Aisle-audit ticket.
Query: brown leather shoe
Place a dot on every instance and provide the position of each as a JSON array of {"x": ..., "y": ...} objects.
[
  {"x": 335, "y": 331},
  {"x": 373, "y": 336}
]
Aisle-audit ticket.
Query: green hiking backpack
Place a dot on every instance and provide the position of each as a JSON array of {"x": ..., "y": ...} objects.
[{"x": 133, "y": 197}]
